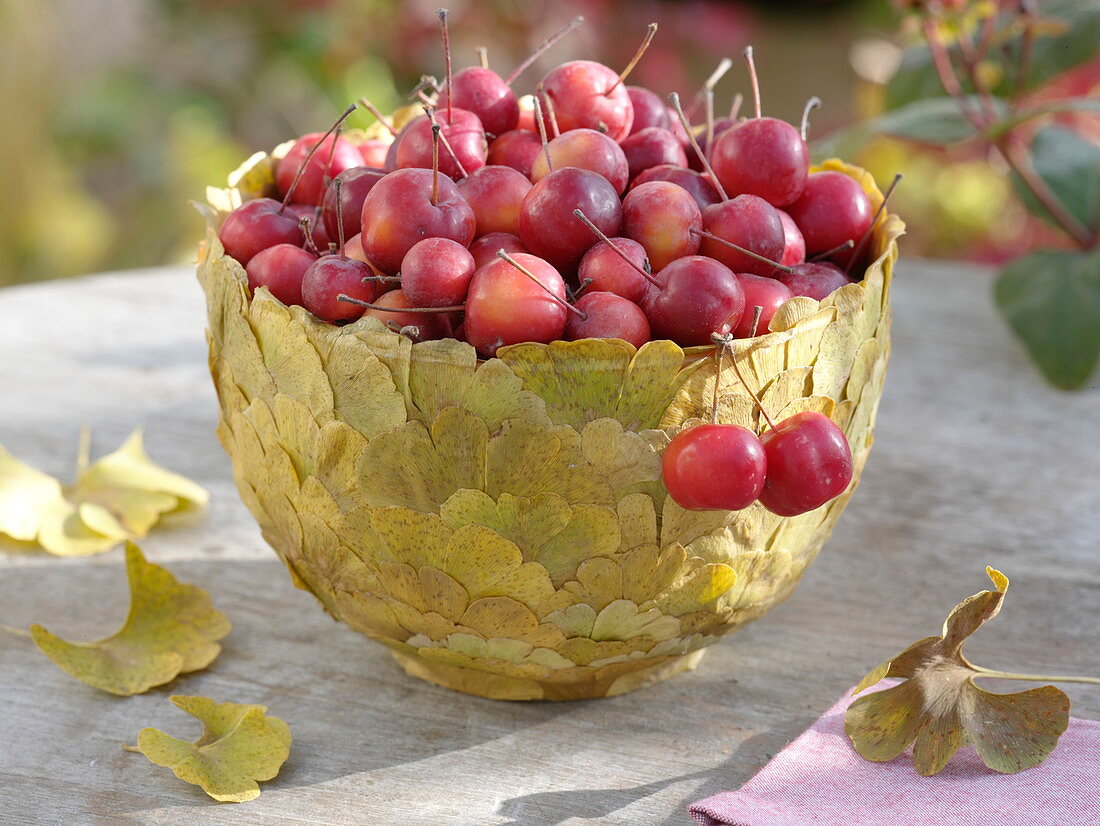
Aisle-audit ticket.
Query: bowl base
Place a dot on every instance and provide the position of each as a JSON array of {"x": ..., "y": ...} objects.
[{"x": 501, "y": 687}]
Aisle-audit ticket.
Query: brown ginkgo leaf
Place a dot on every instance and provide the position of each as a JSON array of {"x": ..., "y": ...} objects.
[{"x": 938, "y": 708}]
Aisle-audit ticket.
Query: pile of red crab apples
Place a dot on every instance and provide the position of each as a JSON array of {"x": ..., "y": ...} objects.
[{"x": 596, "y": 211}]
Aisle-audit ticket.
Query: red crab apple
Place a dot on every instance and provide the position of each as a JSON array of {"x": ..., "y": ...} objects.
[
  {"x": 417, "y": 326},
  {"x": 584, "y": 149},
  {"x": 485, "y": 248},
  {"x": 652, "y": 147},
  {"x": 607, "y": 315},
  {"x": 436, "y": 272},
  {"x": 747, "y": 221},
  {"x": 509, "y": 304},
  {"x": 495, "y": 194},
  {"x": 762, "y": 156},
  {"x": 809, "y": 462},
  {"x": 661, "y": 216},
  {"x": 547, "y": 225},
  {"x": 330, "y": 276},
  {"x": 355, "y": 183},
  {"x": 280, "y": 268},
  {"x": 588, "y": 95},
  {"x": 613, "y": 266},
  {"x": 256, "y": 225},
  {"x": 699, "y": 186},
  {"x": 649, "y": 109},
  {"x": 483, "y": 92},
  {"x": 832, "y": 209},
  {"x": 311, "y": 187},
  {"x": 794, "y": 245},
  {"x": 462, "y": 130},
  {"x": 698, "y": 297},
  {"x": 401, "y": 210},
  {"x": 517, "y": 149},
  {"x": 816, "y": 279},
  {"x": 768, "y": 295},
  {"x": 715, "y": 467}
]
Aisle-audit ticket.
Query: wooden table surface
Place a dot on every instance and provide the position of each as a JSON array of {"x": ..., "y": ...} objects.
[{"x": 977, "y": 462}]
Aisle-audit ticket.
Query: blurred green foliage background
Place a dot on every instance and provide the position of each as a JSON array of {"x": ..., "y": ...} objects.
[{"x": 120, "y": 111}]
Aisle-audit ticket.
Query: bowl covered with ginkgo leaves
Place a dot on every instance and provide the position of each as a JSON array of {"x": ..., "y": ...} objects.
[{"x": 501, "y": 525}]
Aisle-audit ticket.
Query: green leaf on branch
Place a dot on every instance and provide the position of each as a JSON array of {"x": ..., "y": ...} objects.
[
  {"x": 1051, "y": 298},
  {"x": 1055, "y": 49},
  {"x": 1070, "y": 166},
  {"x": 937, "y": 121}
]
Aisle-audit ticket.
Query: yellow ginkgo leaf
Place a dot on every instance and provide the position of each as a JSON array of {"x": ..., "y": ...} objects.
[
  {"x": 240, "y": 745},
  {"x": 27, "y": 498},
  {"x": 172, "y": 629},
  {"x": 134, "y": 489},
  {"x": 120, "y": 496}
]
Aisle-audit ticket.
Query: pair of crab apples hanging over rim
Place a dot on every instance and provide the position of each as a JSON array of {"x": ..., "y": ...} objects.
[{"x": 596, "y": 211}]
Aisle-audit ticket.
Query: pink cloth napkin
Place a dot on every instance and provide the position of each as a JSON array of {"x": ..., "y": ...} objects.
[{"x": 819, "y": 779}]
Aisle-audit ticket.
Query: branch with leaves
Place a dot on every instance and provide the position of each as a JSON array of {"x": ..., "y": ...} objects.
[{"x": 972, "y": 78}]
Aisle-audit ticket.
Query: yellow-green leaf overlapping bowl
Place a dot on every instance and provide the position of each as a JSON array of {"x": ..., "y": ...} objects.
[{"x": 501, "y": 525}]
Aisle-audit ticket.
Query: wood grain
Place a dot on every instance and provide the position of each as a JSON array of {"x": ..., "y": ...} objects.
[{"x": 977, "y": 462}]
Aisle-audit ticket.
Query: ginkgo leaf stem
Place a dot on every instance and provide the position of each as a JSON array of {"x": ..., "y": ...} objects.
[
  {"x": 11, "y": 629},
  {"x": 1037, "y": 678}
]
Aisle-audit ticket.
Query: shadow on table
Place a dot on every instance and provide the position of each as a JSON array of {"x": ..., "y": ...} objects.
[
  {"x": 351, "y": 709},
  {"x": 751, "y": 753}
]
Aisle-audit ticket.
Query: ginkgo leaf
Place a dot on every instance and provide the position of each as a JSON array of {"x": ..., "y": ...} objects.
[
  {"x": 134, "y": 489},
  {"x": 27, "y": 496},
  {"x": 240, "y": 745},
  {"x": 172, "y": 629},
  {"x": 938, "y": 709},
  {"x": 120, "y": 496}
]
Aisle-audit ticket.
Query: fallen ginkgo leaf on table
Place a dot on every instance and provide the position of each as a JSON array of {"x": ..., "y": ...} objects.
[
  {"x": 172, "y": 629},
  {"x": 937, "y": 708},
  {"x": 120, "y": 496},
  {"x": 240, "y": 745}
]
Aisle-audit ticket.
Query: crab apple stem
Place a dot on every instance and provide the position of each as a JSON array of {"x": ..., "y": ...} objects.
[
  {"x": 740, "y": 249},
  {"x": 436, "y": 128},
  {"x": 339, "y": 218},
  {"x": 757, "y": 311},
  {"x": 446, "y": 143},
  {"x": 541, "y": 123},
  {"x": 858, "y": 251},
  {"x": 674, "y": 99},
  {"x": 584, "y": 285},
  {"x": 542, "y": 47},
  {"x": 327, "y": 179},
  {"x": 749, "y": 59},
  {"x": 600, "y": 234},
  {"x": 551, "y": 113},
  {"x": 309, "y": 155},
  {"x": 446, "y": 57},
  {"x": 847, "y": 245},
  {"x": 651, "y": 30},
  {"x": 347, "y": 299},
  {"x": 381, "y": 279},
  {"x": 710, "y": 121},
  {"x": 735, "y": 106},
  {"x": 382, "y": 119},
  {"x": 811, "y": 104},
  {"x": 504, "y": 256},
  {"x": 726, "y": 340},
  {"x": 482, "y": 56},
  {"x": 718, "y": 353},
  {"x": 719, "y": 72},
  {"x": 307, "y": 236},
  {"x": 425, "y": 82}
]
